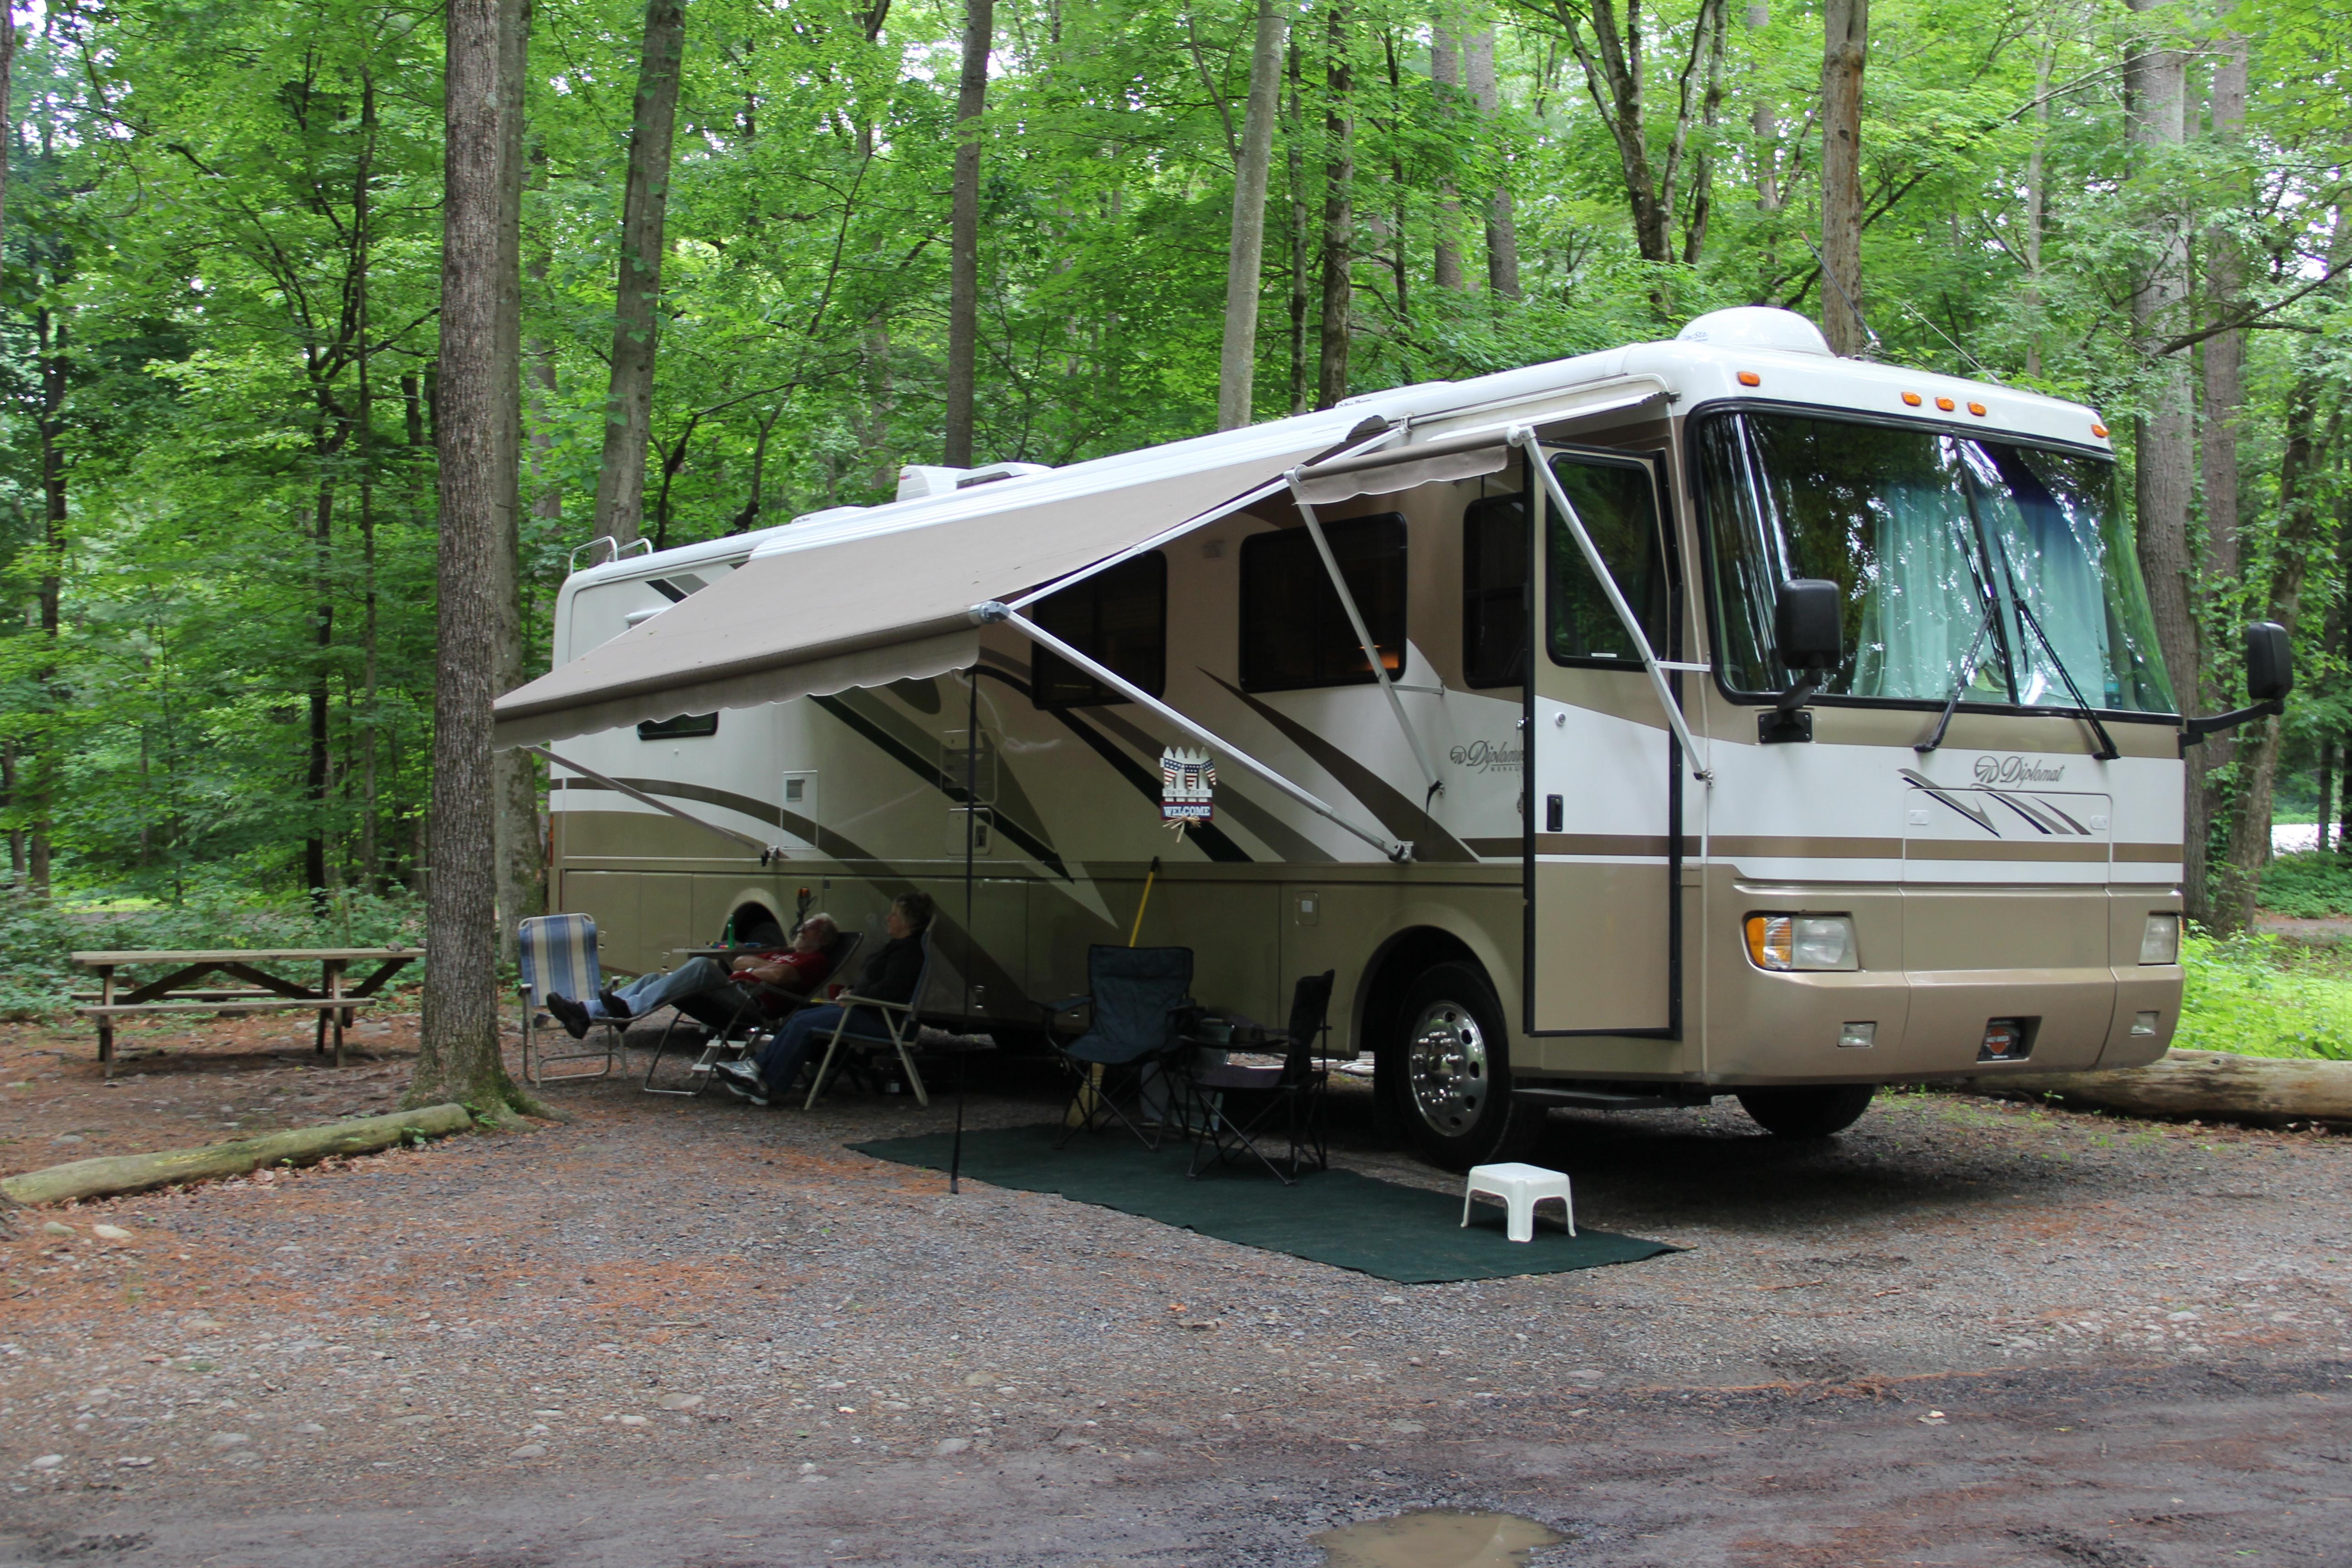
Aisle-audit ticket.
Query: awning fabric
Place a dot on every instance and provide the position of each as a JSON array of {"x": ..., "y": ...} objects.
[{"x": 886, "y": 594}]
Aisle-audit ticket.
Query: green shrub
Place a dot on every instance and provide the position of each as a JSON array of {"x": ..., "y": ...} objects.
[
  {"x": 2309, "y": 885},
  {"x": 37, "y": 974},
  {"x": 2261, "y": 997}
]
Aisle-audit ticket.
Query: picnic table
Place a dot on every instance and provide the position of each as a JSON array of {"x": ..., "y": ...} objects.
[{"x": 180, "y": 990}]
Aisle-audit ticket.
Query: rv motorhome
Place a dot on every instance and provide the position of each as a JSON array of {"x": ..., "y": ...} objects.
[{"x": 1705, "y": 716}]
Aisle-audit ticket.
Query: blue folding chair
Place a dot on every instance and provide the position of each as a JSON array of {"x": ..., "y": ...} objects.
[
  {"x": 1141, "y": 1004},
  {"x": 558, "y": 956}
]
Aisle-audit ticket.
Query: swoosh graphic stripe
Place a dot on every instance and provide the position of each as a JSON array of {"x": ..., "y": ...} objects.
[
  {"x": 932, "y": 774},
  {"x": 1388, "y": 806}
]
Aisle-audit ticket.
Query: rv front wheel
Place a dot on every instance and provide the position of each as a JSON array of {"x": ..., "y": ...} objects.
[
  {"x": 1807, "y": 1111},
  {"x": 1451, "y": 1082}
]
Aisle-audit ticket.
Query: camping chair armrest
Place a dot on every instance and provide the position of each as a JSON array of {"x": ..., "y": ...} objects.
[
  {"x": 848, "y": 999},
  {"x": 1067, "y": 1004}
]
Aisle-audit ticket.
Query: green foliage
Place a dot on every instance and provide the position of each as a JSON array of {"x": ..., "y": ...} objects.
[
  {"x": 2308, "y": 886},
  {"x": 37, "y": 938},
  {"x": 2261, "y": 997}
]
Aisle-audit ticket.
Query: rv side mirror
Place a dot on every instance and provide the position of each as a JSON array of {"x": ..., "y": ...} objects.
[
  {"x": 2270, "y": 662},
  {"x": 1808, "y": 623}
]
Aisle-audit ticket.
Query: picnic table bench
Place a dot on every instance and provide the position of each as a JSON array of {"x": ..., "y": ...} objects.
[{"x": 179, "y": 990}]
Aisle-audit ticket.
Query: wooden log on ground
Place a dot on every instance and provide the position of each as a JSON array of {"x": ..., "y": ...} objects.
[
  {"x": 2212, "y": 1086},
  {"x": 114, "y": 1173}
]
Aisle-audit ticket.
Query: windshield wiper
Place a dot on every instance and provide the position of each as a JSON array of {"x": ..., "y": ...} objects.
[
  {"x": 2107, "y": 752},
  {"x": 1968, "y": 673}
]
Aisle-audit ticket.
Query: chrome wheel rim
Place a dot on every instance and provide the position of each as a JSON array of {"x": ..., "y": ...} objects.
[{"x": 1447, "y": 1064}]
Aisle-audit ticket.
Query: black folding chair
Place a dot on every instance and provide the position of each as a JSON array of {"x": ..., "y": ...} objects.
[
  {"x": 1140, "y": 1003},
  {"x": 1285, "y": 1102},
  {"x": 762, "y": 1009}
]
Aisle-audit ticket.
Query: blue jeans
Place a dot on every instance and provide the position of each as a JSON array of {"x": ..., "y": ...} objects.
[
  {"x": 804, "y": 1032},
  {"x": 699, "y": 987}
]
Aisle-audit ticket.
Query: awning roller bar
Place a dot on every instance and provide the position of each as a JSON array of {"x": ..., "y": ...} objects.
[
  {"x": 1525, "y": 439},
  {"x": 993, "y": 612}
]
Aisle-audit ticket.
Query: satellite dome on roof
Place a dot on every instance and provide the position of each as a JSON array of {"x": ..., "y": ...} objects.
[{"x": 1756, "y": 327}]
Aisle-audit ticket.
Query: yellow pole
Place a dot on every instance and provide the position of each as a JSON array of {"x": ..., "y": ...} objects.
[{"x": 1150, "y": 877}]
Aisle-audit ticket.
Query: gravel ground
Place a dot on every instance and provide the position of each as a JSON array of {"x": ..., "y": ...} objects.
[{"x": 686, "y": 1332}]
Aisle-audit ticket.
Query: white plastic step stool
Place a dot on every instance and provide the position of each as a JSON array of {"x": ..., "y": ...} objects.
[{"x": 1520, "y": 1187}]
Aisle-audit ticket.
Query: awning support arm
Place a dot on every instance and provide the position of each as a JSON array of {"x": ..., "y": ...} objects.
[
  {"x": 994, "y": 612},
  {"x": 1364, "y": 640},
  {"x": 767, "y": 851},
  {"x": 1525, "y": 439}
]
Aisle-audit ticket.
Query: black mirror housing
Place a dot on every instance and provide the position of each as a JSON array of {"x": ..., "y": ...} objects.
[
  {"x": 2270, "y": 662},
  {"x": 1808, "y": 624}
]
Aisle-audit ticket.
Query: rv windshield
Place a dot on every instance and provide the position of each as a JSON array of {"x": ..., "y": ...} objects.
[{"x": 1929, "y": 535}]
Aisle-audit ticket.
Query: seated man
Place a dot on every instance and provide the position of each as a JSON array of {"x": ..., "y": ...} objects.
[
  {"x": 889, "y": 976},
  {"x": 711, "y": 994}
]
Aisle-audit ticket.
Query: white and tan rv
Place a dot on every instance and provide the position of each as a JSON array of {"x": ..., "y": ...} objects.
[{"x": 1704, "y": 717}]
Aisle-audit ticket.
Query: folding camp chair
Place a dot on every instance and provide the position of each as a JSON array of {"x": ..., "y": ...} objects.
[
  {"x": 558, "y": 957},
  {"x": 1140, "y": 1001},
  {"x": 869, "y": 1026},
  {"x": 749, "y": 1021},
  {"x": 1285, "y": 1100}
]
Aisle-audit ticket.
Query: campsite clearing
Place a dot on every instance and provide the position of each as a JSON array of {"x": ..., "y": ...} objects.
[{"x": 686, "y": 1332}]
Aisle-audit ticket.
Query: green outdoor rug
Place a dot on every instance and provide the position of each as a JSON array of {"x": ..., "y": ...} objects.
[{"x": 1335, "y": 1216}]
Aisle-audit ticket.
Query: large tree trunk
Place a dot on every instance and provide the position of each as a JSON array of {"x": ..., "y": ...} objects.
[
  {"x": 50, "y": 349},
  {"x": 522, "y": 885},
  {"x": 323, "y": 632},
  {"x": 1845, "y": 49},
  {"x": 963, "y": 248},
  {"x": 1446, "y": 76},
  {"x": 2215, "y": 1086},
  {"x": 1338, "y": 217},
  {"x": 1296, "y": 156},
  {"x": 637, "y": 291},
  {"x": 1501, "y": 222},
  {"x": 2156, "y": 88},
  {"x": 1763, "y": 122},
  {"x": 459, "y": 1059},
  {"x": 1246, "y": 250}
]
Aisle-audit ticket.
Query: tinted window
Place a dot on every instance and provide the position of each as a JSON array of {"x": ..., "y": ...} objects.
[
  {"x": 1118, "y": 618},
  {"x": 1494, "y": 591},
  {"x": 1295, "y": 631},
  {"x": 683, "y": 728},
  {"x": 1619, "y": 510}
]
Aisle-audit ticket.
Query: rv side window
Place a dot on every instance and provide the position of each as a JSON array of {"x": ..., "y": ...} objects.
[
  {"x": 1494, "y": 591},
  {"x": 1619, "y": 510},
  {"x": 1295, "y": 631},
  {"x": 685, "y": 727},
  {"x": 1118, "y": 619}
]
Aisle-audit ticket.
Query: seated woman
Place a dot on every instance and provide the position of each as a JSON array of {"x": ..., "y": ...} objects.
[
  {"x": 889, "y": 976},
  {"x": 710, "y": 992}
]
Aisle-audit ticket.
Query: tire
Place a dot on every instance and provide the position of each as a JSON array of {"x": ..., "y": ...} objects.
[
  {"x": 1808, "y": 1112},
  {"x": 1448, "y": 1073}
]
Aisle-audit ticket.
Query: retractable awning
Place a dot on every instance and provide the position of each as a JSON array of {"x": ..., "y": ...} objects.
[{"x": 888, "y": 595}]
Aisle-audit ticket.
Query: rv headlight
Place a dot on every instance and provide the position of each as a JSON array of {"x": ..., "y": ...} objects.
[
  {"x": 2159, "y": 939},
  {"x": 1801, "y": 942}
]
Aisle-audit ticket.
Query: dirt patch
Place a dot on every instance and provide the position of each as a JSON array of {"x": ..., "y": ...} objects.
[{"x": 686, "y": 1332}]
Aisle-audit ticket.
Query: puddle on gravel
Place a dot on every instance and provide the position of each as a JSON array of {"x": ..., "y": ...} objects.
[{"x": 1437, "y": 1538}]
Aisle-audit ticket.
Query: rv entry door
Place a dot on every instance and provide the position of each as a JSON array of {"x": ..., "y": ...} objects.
[{"x": 1601, "y": 786}]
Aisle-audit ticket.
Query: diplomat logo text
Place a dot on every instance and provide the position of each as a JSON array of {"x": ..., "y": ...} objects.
[
  {"x": 1485, "y": 757},
  {"x": 2017, "y": 771}
]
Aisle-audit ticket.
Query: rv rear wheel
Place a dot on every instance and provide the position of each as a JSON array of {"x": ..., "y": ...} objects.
[
  {"x": 1449, "y": 1076},
  {"x": 1807, "y": 1111}
]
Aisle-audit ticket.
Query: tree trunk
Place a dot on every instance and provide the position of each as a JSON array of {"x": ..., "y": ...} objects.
[
  {"x": 1298, "y": 295},
  {"x": 8, "y": 76},
  {"x": 1763, "y": 122},
  {"x": 2037, "y": 200},
  {"x": 1245, "y": 250},
  {"x": 1502, "y": 221},
  {"x": 2310, "y": 449},
  {"x": 636, "y": 289},
  {"x": 363, "y": 241},
  {"x": 459, "y": 1056},
  {"x": 521, "y": 887},
  {"x": 1845, "y": 49},
  {"x": 963, "y": 252},
  {"x": 1445, "y": 77},
  {"x": 49, "y": 348},
  {"x": 1338, "y": 217},
  {"x": 2155, "y": 90},
  {"x": 1702, "y": 185},
  {"x": 2224, "y": 352},
  {"x": 2216, "y": 1086},
  {"x": 109, "y": 1174},
  {"x": 323, "y": 632}
]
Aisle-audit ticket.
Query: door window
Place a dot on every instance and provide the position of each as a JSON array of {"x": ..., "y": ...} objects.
[{"x": 1619, "y": 510}]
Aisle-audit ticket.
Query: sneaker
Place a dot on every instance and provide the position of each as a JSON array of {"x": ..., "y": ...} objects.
[
  {"x": 740, "y": 1072},
  {"x": 743, "y": 1092},
  {"x": 570, "y": 1015},
  {"x": 615, "y": 1008}
]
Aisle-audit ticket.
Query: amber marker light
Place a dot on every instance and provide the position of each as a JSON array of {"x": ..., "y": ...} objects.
[
  {"x": 2099, "y": 430},
  {"x": 1750, "y": 378},
  {"x": 1978, "y": 409},
  {"x": 1945, "y": 403},
  {"x": 1910, "y": 400}
]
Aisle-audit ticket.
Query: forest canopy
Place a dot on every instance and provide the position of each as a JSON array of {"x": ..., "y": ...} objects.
[{"x": 219, "y": 313}]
